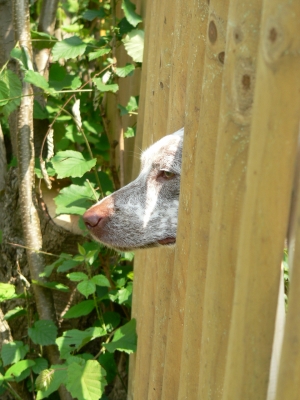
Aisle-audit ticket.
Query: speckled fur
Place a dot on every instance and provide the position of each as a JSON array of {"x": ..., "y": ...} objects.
[{"x": 145, "y": 211}]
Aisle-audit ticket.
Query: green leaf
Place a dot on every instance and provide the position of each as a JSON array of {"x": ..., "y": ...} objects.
[
  {"x": 81, "y": 249},
  {"x": 111, "y": 320},
  {"x": 125, "y": 295},
  {"x": 72, "y": 340},
  {"x": 129, "y": 133},
  {"x": 7, "y": 291},
  {"x": 13, "y": 352},
  {"x": 77, "y": 276},
  {"x": 132, "y": 105},
  {"x": 13, "y": 83},
  {"x": 74, "y": 199},
  {"x": 4, "y": 93},
  {"x": 52, "y": 285},
  {"x": 83, "y": 308},
  {"x": 125, "y": 339},
  {"x": 16, "y": 312},
  {"x": 92, "y": 14},
  {"x": 17, "y": 369},
  {"x": 86, "y": 287},
  {"x": 129, "y": 10},
  {"x": 107, "y": 361},
  {"x": 124, "y": 71},
  {"x": 20, "y": 56},
  {"x": 39, "y": 112},
  {"x": 86, "y": 382},
  {"x": 99, "y": 53},
  {"x": 134, "y": 44},
  {"x": 71, "y": 163},
  {"x": 43, "y": 332},
  {"x": 100, "y": 280},
  {"x": 105, "y": 88},
  {"x": 92, "y": 256},
  {"x": 68, "y": 48},
  {"x": 66, "y": 265},
  {"x": 122, "y": 296},
  {"x": 40, "y": 364},
  {"x": 42, "y": 40},
  {"x": 54, "y": 379},
  {"x": 49, "y": 268},
  {"x": 44, "y": 379},
  {"x": 74, "y": 28},
  {"x": 36, "y": 79},
  {"x": 59, "y": 79}
]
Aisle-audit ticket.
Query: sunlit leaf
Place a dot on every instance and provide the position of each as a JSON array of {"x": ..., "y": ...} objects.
[
  {"x": 71, "y": 163},
  {"x": 16, "y": 312},
  {"x": 80, "y": 309},
  {"x": 11, "y": 82},
  {"x": 17, "y": 369},
  {"x": 74, "y": 199},
  {"x": 68, "y": 48},
  {"x": 124, "y": 71},
  {"x": 86, "y": 382},
  {"x": 86, "y": 287},
  {"x": 125, "y": 339},
  {"x": 77, "y": 276},
  {"x": 134, "y": 44},
  {"x": 99, "y": 53},
  {"x": 7, "y": 291},
  {"x": 13, "y": 352},
  {"x": 100, "y": 280},
  {"x": 105, "y": 88}
]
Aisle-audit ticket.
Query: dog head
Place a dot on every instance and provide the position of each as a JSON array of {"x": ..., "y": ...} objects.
[{"x": 144, "y": 213}]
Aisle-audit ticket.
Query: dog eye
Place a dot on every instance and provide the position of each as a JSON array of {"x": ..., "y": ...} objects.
[{"x": 166, "y": 174}]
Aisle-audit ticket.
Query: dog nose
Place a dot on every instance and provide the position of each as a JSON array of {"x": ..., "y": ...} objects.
[{"x": 91, "y": 218}]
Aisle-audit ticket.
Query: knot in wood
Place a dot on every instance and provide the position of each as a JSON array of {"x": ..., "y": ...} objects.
[
  {"x": 221, "y": 57},
  {"x": 212, "y": 32}
]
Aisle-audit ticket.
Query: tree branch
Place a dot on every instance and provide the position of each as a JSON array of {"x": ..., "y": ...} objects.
[{"x": 25, "y": 151}]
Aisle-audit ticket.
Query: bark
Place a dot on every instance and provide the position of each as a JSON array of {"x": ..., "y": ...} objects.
[
  {"x": 2, "y": 160},
  {"x": 28, "y": 206}
]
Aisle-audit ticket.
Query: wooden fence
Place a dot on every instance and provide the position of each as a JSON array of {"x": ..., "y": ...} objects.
[{"x": 229, "y": 71}]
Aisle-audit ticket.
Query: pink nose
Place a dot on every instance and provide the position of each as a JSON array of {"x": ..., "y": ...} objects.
[
  {"x": 96, "y": 217},
  {"x": 91, "y": 218}
]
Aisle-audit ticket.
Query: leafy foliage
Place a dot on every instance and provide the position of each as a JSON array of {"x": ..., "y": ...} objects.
[
  {"x": 86, "y": 382},
  {"x": 43, "y": 332},
  {"x": 13, "y": 352},
  {"x": 83, "y": 69}
]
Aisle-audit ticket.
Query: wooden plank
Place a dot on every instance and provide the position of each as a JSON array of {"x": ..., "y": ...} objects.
[
  {"x": 162, "y": 359},
  {"x": 186, "y": 79},
  {"x": 228, "y": 191},
  {"x": 154, "y": 127},
  {"x": 272, "y": 153}
]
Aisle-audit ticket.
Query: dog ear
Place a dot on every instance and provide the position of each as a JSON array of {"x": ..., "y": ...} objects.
[{"x": 180, "y": 132}]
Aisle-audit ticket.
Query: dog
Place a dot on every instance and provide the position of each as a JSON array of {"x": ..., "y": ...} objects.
[{"x": 143, "y": 213}]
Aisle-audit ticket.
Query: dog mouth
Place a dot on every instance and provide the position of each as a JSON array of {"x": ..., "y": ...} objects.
[{"x": 166, "y": 241}]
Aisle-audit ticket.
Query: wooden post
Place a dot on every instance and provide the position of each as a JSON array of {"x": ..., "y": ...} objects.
[
  {"x": 150, "y": 352},
  {"x": 189, "y": 65},
  {"x": 228, "y": 191},
  {"x": 272, "y": 152}
]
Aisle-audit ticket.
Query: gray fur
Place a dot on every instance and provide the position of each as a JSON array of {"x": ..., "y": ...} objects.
[{"x": 144, "y": 213}]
